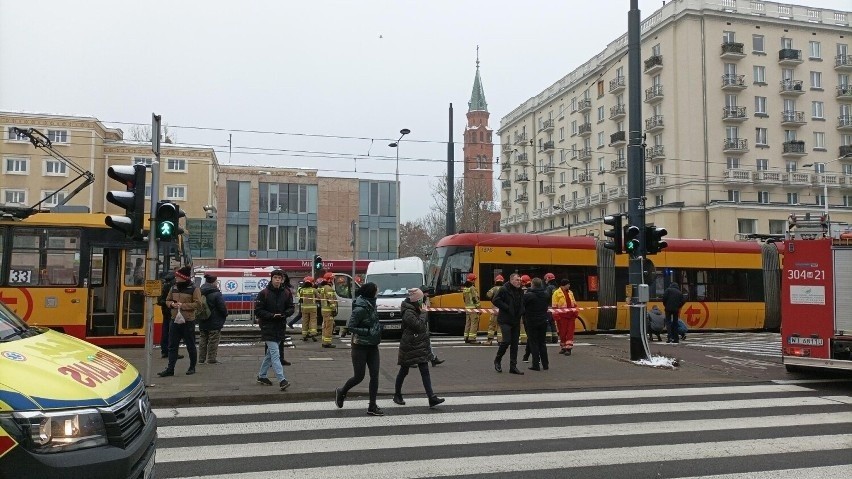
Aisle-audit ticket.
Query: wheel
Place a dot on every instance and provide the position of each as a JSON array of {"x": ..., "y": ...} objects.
[{"x": 793, "y": 369}]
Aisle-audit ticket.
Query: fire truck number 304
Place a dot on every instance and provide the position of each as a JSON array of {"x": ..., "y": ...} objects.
[{"x": 817, "y": 275}]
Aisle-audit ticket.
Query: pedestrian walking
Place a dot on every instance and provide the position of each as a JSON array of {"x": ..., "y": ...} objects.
[
  {"x": 168, "y": 282},
  {"x": 672, "y": 302},
  {"x": 536, "y": 303},
  {"x": 471, "y": 302},
  {"x": 563, "y": 298},
  {"x": 414, "y": 349},
  {"x": 493, "y": 328},
  {"x": 366, "y": 335},
  {"x": 210, "y": 330},
  {"x": 272, "y": 307},
  {"x": 656, "y": 323},
  {"x": 183, "y": 299},
  {"x": 509, "y": 302}
]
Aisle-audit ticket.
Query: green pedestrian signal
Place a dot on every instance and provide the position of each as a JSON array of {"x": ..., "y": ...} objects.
[
  {"x": 317, "y": 262},
  {"x": 168, "y": 216},
  {"x": 631, "y": 241}
]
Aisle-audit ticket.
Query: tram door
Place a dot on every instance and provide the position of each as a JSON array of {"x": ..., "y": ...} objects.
[{"x": 116, "y": 294}]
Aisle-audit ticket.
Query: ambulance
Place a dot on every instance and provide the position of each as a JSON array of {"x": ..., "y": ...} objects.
[{"x": 69, "y": 409}]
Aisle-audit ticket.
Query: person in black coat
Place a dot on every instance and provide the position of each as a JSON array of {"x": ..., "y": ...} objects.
[
  {"x": 272, "y": 307},
  {"x": 510, "y": 308},
  {"x": 168, "y": 283},
  {"x": 414, "y": 349},
  {"x": 210, "y": 329},
  {"x": 536, "y": 303},
  {"x": 672, "y": 302}
]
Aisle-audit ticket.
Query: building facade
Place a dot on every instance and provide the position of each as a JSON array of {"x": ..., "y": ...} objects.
[{"x": 747, "y": 116}]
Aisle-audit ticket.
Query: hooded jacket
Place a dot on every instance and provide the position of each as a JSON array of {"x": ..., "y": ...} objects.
[
  {"x": 510, "y": 304},
  {"x": 656, "y": 320},
  {"x": 672, "y": 298},
  {"x": 269, "y": 302},
  {"x": 414, "y": 343},
  {"x": 218, "y": 309},
  {"x": 364, "y": 323},
  {"x": 536, "y": 302}
]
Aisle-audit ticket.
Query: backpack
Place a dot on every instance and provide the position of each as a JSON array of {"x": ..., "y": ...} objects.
[{"x": 203, "y": 313}]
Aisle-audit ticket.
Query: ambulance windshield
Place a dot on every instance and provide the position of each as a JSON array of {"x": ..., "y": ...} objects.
[{"x": 12, "y": 327}]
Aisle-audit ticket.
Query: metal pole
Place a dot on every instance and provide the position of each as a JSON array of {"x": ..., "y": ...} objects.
[
  {"x": 825, "y": 195},
  {"x": 353, "y": 226},
  {"x": 398, "y": 197},
  {"x": 451, "y": 206},
  {"x": 151, "y": 266}
]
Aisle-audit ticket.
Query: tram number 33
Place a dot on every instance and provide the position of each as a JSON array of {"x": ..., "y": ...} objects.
[
  {"x": 20, "y": 276},
  {"x": 816, "y": 275}
]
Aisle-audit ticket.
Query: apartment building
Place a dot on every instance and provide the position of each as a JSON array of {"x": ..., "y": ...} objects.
[{"x": 747, "y": 116}]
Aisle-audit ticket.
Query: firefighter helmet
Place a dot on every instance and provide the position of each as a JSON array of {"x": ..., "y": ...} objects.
[
  {"x": 499, "y": 279},
  {"x": 525, "y": 279},
  {"x": 471, "y": 277},
  {"x": 549, "y": 277},
  {"x": 308, "y": 279}
]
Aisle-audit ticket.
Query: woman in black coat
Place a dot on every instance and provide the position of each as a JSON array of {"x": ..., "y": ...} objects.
[{"x": 414, "y": 347}]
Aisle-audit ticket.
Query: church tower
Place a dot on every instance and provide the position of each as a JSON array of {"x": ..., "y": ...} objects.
[{"x": 478, "y": 151}]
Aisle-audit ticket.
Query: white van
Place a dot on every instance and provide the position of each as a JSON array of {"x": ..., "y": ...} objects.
[{"x": 394, "y": 278}]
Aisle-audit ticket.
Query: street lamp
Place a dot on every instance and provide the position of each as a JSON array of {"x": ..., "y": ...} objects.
[{"x": 395, "y": 145}]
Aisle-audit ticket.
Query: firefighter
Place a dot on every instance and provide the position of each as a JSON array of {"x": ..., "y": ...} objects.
[
  {"x": 552, "y": 285},
  {"x": 328, "y": 300},
  {"x": 471, "y": 301},
  {"x": 492, "y": 323},
  {"x": 526, "y": 282},
  {"x": 308, "y": 298}
]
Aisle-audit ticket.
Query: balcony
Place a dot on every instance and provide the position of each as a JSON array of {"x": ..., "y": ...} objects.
[
  {"x": 619, "y": 138},
  {"x": 520, "y": 138},
  {"x": 549, "y": 190},
  {"x": 655, "y": 182},
  {"x": 548, "y": 146},
  {"x": 617, "y": 112},
  {"x": 844, "y": 122},
  {"x": 844, "y": 93},
  {"x": 731, "y": 82},
  {"x": 765, "y": 177},
  {"x": 654, "y": 94},
  {"x": 618, "y": 166},
  {"x": 522, "y": 178},
  {"x": 843, "y": 63},
  {"x": 735, "y": 145},
  {"x": 789, "y": 57},
  {"x": 585, "y": 178},
  {"x": 791, "y": 87},
  {"x": 734, "y": 114},
  {"x": 506, "y": 148},
  {"x": 616, "y": 192},
  {"x": 846, "y": 152},
  {"x": 585, "y": 129},
  {"x": 584, "y": 105},
  {"x": 585, "y": 154},
  {"x": 793, "y": 148},
  {"x": 506, "y": 184},
  {"x": 655, "y": 123},
  {"x": 794, "y": 178},
  {"x": 732, "y": 51},
  {"x": 547, "y": 125},
  {"x": 597, "y": 198},
  {"x": 656, "y": 152},
  {"x": 504, "y": 222},
  {"x": 792, "y": 118},
  {"x": 522, "y": 159},
  {"x": 653, "y": 64},
  {"x": 737, "y": 175},
  {"x": 523, "y": 217},
  {"x": 829, "y": 180},
  {"x": 522, "y": 198},
  {"x": 505, "y": 204},
  {"x": 846, "y": 181},
  {"x": 548, "y": 170},
  {"x": 617, "y": 84}
]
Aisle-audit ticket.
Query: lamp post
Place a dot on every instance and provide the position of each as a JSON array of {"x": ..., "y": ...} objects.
[{"x": 395, "y": 145}]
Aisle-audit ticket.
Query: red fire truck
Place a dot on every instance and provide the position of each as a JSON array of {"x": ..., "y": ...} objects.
[{"x": 816, "y": 301}]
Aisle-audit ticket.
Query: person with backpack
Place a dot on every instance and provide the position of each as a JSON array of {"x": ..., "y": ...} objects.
[
  {"x": 182, "y": 301},
  {"x": 210, "y": 327}
]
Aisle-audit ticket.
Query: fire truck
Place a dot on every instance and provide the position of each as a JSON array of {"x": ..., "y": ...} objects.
[{"x": 816, "y": 295}]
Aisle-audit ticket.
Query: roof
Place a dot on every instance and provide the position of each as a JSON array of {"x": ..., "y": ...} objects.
[{"x": 477, "y": 96}]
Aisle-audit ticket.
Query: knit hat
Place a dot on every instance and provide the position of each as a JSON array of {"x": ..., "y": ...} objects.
[
  {"x": 415, "y": 295},
  {"x": 184, "y": 274}
]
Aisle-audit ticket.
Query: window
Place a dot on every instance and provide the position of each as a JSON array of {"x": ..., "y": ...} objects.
[
  {"x": 561, "y": 133},
  {"x": 147, "y": 190},
  {"x": 236, "y": 236},
  {"x": 819, "y": 140},
  {"x": 814, "y": 50},
  {"x": 238, "y": 198},
  {"x": 175, "y": 192},
  {"x": 733, "y": 163},
  {"x": 786, "y": 42},
  {"x": 760, "y": 136},
  {"x": 777, "y": 227},
  {"x": 600, "y": 88},
  {"x": 54, "y": 199},
  {"x": 816, "y": 80},
  {"x": 16, "y": 166},
  {"x": 847, "y": 169},
  {"x": 139, "y": 160},
  {"x": 601, "y": 140},
  {"x": 44, "y": 257},
  {"x": 573, "y": 127},
  {"x": 792, "y": 198},
  {"x": 760, "y": 106},
  {"x": 763, "y": 197},
  {"x": 13, "y": 135},
  {"x": 14, "y": 196},
  {"x": 658, "y": 201},
  {"x": 817, "y": 110},
  {"x": 174, "y": 164},
  {"x": 378, "y": 198},
  {"x": 757, "y": 44},
  {"x": 728, "y": 37},
  {"x": 286, "y": 238},
  {"x": 287, "y": 198},
  {"x": 655, "y": 50},
  {"x": 658, "y": 170},
  {"x": 762, "y": 164},
  {"x": 746, "y": 226},
  {"x": 573, "y": 104},
  {"x": 57, "y": 136},
  {"x": 601, "y": 167},
  {"x": 54, "y": 168},
  {"x": 847, "y": 200},
  {"x": 734, "y": 195},
  {"x": 760, "y": 74},
  {"x": 791, "y": 167},
  {"x": 600, "y": 114}
]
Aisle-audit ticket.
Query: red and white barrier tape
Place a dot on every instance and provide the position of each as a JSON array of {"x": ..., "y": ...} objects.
[{"x": 494, "y": 310}]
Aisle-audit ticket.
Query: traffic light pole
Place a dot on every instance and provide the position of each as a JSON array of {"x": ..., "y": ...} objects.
[
  {"x": 151, "y": 266},
  {"x": 635, "y": 181}
]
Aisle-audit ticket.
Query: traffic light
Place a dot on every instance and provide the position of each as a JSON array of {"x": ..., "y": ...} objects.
[
  {"x": 654, "y": 239},
  {"x": 631, "y": 240},
  {"x": 317, "y": 262},
  {"x": 616, "y": 244},
  {"x": 132, "y": 199},
  {"x": 168, "y": 221}
]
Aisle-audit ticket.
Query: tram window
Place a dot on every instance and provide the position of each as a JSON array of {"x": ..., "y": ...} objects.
[
  {"x": 755, "y": 285},
  {"x": 459, "y": 264},
  {"x": 433, "y": 268},
  {"x": 134, "y": 271},
  {"x": 96, "y": 263},
  {"x": 733, "y": 285},
  {"x": 705, "y": 289}
]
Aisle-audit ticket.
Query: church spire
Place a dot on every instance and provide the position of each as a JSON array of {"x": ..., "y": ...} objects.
[{"x": 477, "y": 97}]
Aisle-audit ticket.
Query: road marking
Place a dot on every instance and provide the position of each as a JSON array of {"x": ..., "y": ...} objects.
[{"x": 827, "y": 472}]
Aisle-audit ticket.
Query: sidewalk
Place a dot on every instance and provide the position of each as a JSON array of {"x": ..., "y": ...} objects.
[{"x": 598, "y": 361}]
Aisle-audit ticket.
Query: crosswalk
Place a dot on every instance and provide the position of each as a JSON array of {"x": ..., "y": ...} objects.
[
  {"x": 727, "y": 432},
  {"x": 757, "y": 344}
]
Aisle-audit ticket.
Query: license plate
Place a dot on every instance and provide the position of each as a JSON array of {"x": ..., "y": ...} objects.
[
  {"x": 149, "y": 468},
  {"x": 805, "y": 341},
  {"x": 393, "y": 326}
]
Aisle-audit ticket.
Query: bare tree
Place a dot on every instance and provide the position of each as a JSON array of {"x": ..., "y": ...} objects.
[
  {"x": 143, "y": 133},
  {"x": 414, "y": 240}
]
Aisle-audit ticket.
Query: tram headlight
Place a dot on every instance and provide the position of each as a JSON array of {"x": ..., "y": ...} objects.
[{"x": 57, "y": 431}]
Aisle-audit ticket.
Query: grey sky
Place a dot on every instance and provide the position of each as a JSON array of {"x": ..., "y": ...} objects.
[{"x": 361, "y": 69}]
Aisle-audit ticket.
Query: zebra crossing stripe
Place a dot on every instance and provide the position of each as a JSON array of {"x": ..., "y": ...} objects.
[
  {"x": 728, "y": 391},
  {"x": 482, "y": 465},
  {"x": 309, "y": 446},
  {"x": 827, "y": 472},
  {"x": 257, "y": 427}
]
